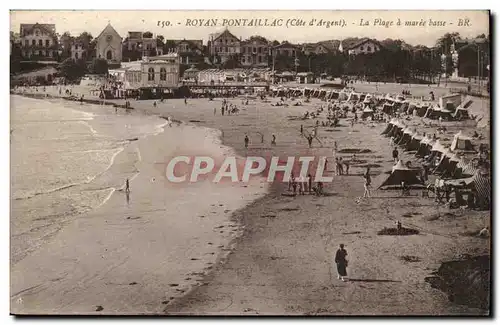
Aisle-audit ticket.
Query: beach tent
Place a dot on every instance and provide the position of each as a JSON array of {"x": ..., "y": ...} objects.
[
  {"x": 425, "y": 147},
  {"x": 465, "y": 168},
  {"x": 397, "y": 129},
  {"x": 414, "y": 142},
  {"x": 389, "y": 126},
  {"x": 389, "y": 108},
  {"x": 437, "y": 150},
  {"x": 437, "y": 112},
  {"x": 399, "y": 174},
  {"x": 406, "y": 137},
  {"x": 461, "y": 142},
  {"x": 480, "y": 182},
  {"x": 367, "y": 112}
]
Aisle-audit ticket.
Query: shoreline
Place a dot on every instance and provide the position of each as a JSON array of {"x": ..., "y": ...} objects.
[{"x": 220, "y": 251}]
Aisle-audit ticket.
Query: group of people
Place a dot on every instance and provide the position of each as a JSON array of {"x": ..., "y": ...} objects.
[{"x": 303, "y": 185}]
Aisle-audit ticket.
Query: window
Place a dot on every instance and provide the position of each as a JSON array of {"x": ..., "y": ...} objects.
[
  {"x": 40, "y": 53},
  {"x": 151, "y": 74},
  {"x": 259, "y": 59},
  {"x": 361, "y": 48},
  {"x": 368, "y": 49},
  {"x": 225, "y": 49},
  {"x": 76, "y": 55},
  {"x": 47, "y": 43},
  {"x": 37, "y": 32},
  {"x": 26, "y": 42},
  {"x": 109, "y": 55},
  {"x": 33, "y": 42},
  {"x": 40, "y": 42},
  {"x": 163, "y": 74},
  {"x": 260, "y": 50}
]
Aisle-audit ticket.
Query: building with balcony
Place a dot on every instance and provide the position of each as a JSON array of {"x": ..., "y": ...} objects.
[
  {"x": 109, "y": 45},
  {"x": 285, "y": 49},
  {"x": 190, "y": 51},
  {"x": 224, "y": 45},
  {"x": 38, "y": 41},
  {"x": 140, "y": 45},
  {"x": 255, "y": 52}
]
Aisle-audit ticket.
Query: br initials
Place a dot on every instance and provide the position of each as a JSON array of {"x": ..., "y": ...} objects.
[{"x": 464, "y": 22}]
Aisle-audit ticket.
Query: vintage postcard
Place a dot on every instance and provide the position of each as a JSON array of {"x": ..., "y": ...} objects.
[{"x": 250, "y": 163}]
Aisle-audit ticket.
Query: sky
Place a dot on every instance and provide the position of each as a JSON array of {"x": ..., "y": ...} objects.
[{"x": 181, "y": 23}]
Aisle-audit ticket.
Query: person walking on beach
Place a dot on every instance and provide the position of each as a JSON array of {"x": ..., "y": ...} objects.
[
  {"x": 310, "y": 140},
  {"x": 246, "y": 141},
  {"x": 185, "y": 101},
  {"x": 215, "y": 110},
  {"x": 273, "y": 141},
  {"x": 154, "y": 103},
  {"x": 395, "y": 155},
  {"x": 368, "y": 182},
  {"x": 341, "y": 262},
  {"x": 301, "y": 129},
  {"x": 127, "y": 186}
]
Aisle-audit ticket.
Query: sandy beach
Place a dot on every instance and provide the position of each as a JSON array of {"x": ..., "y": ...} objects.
[{"x": 275, "y": 255}]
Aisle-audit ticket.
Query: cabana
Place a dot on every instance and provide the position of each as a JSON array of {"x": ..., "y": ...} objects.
[
  {"x": 401, "y": 173},
  {"x": 461, "y": 142}
]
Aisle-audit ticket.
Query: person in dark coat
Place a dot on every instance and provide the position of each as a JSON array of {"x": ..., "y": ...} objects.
[{"x": 341, "y": 261}]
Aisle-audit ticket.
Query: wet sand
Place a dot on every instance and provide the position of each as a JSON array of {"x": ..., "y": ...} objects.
[{"x": 282, "y": 264}]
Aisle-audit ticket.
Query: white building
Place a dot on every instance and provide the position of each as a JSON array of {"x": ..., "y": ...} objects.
[
  {"x": 38, "y": 40},
  {"x": 365, "y": 46},
  {"x": 153, "y": 72},
  {"x": 109, "y": 45}
]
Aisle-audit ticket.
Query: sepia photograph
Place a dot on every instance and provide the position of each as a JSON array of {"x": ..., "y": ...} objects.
[{"x": 250, "y": 163}]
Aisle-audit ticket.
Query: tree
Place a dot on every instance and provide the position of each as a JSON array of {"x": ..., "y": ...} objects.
[
  {"x": 160, "y": 41},
  {"x": 70, "y": 70},
  {"x": 65, "y": 42},
  {"x": 170, "y": 45},
  {"x": 85, "y": 38},
  {"x": 99, "y": 66},
  {"x": 147, "y": 35},
  {"x": 232, "y": 62},
  {"x": 445, "y": 41}
]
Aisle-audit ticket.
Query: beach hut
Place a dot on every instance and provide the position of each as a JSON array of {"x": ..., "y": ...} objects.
[
  {"x": 414, "y": 142},
  {"x": 406, "y": 137},
  {"x": 465, "y": 168},
  {"x": 367, "y": 111},
  {"x": 436, "y": 112},
  {"x": 401, "y": 173},
  {"x": 461, "y": 142},
  {"x": 425, "y": 147},
  {"x": 389, "y": 126},
  {"x": 480, "y": 183}
]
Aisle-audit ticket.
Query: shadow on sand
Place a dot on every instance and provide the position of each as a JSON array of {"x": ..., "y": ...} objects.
[{"x": 371, "y": 280}]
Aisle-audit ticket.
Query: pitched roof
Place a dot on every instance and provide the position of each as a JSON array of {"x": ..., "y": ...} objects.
[
  {"x": 256, "y": 38},
  {"x": 225, "y": 32},
  {"x": 108, "y": 29},
  {"x": 285, "y": 44},
  {"x": 361, "y": 42},
  {"x": 192, "y": 42},
  {"x": 49, "y": 28}
]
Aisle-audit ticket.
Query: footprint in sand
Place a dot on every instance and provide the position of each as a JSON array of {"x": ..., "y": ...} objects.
[{"x": 173, "y": 285}]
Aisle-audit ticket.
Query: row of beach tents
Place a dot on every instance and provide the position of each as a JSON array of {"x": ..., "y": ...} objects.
[{"x": 449, "y": 161}]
